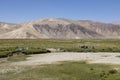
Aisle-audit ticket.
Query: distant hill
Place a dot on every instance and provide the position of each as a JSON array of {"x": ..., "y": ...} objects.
[
  {"x": 116, "y": 23},
  {"x": 59, "y": 28}
]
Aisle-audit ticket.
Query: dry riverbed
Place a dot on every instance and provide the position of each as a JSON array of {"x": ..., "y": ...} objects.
[
  {"x": 53, "y": 58},
  {"x": 101, "y": 57}
]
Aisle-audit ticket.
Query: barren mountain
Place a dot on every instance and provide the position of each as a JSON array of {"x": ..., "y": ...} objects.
[
  {"x": 116, "y": 23},
  {"x": 59, "y": 28}
]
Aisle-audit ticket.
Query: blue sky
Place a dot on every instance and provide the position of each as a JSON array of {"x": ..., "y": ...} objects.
[{"x": 17, "y": 11}]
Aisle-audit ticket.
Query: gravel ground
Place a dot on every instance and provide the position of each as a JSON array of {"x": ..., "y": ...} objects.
[{"x": 39, "y": 59}]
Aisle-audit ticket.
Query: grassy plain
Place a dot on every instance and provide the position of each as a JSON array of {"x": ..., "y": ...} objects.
[
  {"x": 66, "y": 71},
  {"x": 36, "y": 46},
  {"x": 63, "y": 71}
]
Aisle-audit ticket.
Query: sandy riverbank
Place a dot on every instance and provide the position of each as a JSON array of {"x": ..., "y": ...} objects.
[{"x": 101, "y": 57}]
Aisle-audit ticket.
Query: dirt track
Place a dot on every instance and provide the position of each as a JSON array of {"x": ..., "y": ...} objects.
[{"x": 38, "y": 59}]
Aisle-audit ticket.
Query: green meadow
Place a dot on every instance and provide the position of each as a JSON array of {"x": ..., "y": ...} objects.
[
  {"x": 37, "y": 46},
  {"x": 66, "y": 71},
  {"x": 80, "y": 70}
]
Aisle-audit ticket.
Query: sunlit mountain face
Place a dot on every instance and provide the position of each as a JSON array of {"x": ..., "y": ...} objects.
[{"x": 59, "y": 28}]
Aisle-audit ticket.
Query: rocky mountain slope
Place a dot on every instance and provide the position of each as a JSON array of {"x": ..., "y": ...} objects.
[
  {"x": 59, "y": 28},
  {"x": 116, "y": 23}
]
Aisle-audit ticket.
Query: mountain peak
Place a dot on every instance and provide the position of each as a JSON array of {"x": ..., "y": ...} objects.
[
  {"x": 59, "y": 28},
  {"x": 116, "y": 22}
]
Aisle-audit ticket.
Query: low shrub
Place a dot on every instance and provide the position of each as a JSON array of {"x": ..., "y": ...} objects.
[
  {"x": 5, "y": 52},
  {"x": 113, "y": 71},
  {"x": 35, "y": 51}
]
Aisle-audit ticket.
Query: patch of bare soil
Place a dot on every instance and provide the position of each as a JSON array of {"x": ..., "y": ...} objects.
[{"x": 40, "y": 59}]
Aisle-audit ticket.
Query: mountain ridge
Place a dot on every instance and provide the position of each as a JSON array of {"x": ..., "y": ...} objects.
[{"x": 59, "y": 28}]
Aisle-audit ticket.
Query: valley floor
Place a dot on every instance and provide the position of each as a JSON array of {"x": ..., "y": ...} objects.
[
  {"x": 39, "y": 59},
  {"x": 62, "y": 66}
]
